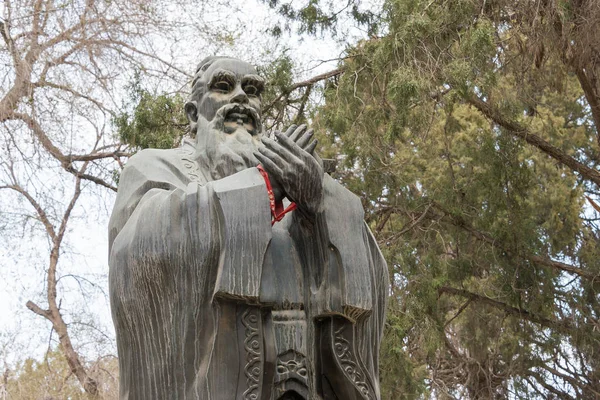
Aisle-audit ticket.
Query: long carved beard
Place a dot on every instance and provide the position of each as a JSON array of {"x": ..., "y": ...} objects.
[
  {"x": 224, "y": 160},
  {"x": 224, "y": 154}
]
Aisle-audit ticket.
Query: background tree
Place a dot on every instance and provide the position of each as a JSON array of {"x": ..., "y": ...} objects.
[
  {"x": 85, "y": 84},
  {"x": 468, "y": 127},
  {"x": 51, "y": 378},
  {"x": 64, "y": 64},
  {"x": 470, "y": 130}
]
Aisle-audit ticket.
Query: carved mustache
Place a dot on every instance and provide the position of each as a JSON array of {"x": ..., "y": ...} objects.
[{"x": 235, "y": 111}]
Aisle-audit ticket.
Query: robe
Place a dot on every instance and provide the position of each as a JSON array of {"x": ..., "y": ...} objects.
[{"x": 211, "y": 302}]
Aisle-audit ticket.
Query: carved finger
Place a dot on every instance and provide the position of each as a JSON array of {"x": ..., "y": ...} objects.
[
  {"x": 311, "y": 147},
  {"x": 289, "y": 131},
  {"x": 273, "y": 156},
  {"x": 279, "y": 149},
  {"x": 289, "y": 145},
  {"x": 269, "y": 165},
  {"x": 275, "y": 132},
  {"x": 303, "y": 141},
  {"x": 298, "y": 133}
]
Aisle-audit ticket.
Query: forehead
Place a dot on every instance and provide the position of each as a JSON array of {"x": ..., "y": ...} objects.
[{"x": 237, "y": 67}]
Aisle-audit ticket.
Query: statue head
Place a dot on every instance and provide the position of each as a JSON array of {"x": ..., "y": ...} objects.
[
  {"x": 224, "y": 111},
  {"x": 227, "y": 93}
]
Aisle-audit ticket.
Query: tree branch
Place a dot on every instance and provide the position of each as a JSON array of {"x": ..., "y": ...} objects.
[
  {"x": 67, "y": 214},
  {"x": 44, "y": 83},
  {"x": 54, "y": 315},
  {"x": 572, "y": 381},
  {"x": 10, "y": 43},
  {"x": 461, "y": 223},
  {"x": 308, "y": 82},
  {"x": 508, "y": 309},
  {"x": 90, "y": 178},
  {"x": 97, "y": 156},
  {"x": 315, "y": 79},
  {"x": 591, "y": 96},
  {"x": 39, "y": 133},
  {"x": 541, "y": 381},
  {"x": 523, "y": 133},
  {"x": 38, "y": 310},
  {"x": 38, "y": 208},
  {"x": 56, "y": 153}
]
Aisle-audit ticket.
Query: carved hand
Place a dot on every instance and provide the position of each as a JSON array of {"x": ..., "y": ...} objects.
[{"x": 291, "y": 164}]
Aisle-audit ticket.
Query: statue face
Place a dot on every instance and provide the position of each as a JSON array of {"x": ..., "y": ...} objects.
[
  {"x": 231, "y": 99},
  {"x": 225, "y": 113}
]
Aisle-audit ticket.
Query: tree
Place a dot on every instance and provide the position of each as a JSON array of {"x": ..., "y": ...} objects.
[
  {"x": 65, "y": 65},
  {"x": 470, "y": 130},
  {"x": 52, "y": 378},
  {"x": 158, "y": 120}
]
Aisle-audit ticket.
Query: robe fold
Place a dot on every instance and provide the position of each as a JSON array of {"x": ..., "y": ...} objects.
[{"x": 211, "y": 302}]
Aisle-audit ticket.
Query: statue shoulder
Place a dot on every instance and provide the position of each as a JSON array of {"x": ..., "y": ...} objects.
[
  {"x": 151, "y": 159},
  {"x": 171, "y": 165},
  {"x": 146, "y": 170},
  {"x": 335, "y": 194}
]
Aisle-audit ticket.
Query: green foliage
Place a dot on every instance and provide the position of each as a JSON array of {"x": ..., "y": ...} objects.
[
  {"x": 284, "y": 104},
  {"x": 51, "y": 378},
  {"x": 471, "y": 217},
  {"x": 310, "y": 15},
  {"x": 280, "y": 77},
  {"x": 315, "y": 17},
  {"x": 156, "y": 121}
]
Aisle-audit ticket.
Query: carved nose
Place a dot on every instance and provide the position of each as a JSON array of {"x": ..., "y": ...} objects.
[{"x": 239, "y": 96}]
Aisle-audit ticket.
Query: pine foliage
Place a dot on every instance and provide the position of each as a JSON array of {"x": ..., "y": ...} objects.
[{"x": 469, "y": 128}]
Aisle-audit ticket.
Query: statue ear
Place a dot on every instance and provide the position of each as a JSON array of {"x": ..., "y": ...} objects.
[{"x": 191, "y": 109}]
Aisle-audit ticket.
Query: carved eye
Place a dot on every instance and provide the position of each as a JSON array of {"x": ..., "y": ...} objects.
[
  {"x": 251, "y": 90},
  {"x": 222, "y": 86}
]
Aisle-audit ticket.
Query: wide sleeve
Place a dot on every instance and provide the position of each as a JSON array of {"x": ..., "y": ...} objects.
[
  {"x": 334, "y": 243},
  {"x": 164, "y": 224}
]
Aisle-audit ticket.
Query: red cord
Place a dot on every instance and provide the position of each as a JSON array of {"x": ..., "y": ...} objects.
[{"x": 277, "y": 210}]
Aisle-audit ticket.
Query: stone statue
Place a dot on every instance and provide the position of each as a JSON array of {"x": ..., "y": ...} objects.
[{"x": 218, "y": 293}]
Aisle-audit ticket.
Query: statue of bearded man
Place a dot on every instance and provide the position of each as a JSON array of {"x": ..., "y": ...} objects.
[{"x": 218, "y": 295}]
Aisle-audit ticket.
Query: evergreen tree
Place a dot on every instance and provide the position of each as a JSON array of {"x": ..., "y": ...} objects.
[{"x": 469, "y": 128}]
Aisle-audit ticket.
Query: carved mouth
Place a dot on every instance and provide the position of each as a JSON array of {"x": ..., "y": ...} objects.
[{"x": 235, "y": 116}]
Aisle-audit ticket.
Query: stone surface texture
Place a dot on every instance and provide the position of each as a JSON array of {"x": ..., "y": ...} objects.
[{"x": 210, "y": 300}]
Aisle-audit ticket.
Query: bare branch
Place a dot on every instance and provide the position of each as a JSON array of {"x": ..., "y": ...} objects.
[
  {"x": 56, "y": 153},
  {"x": 91, "y": 178},
  {"x": 98, "y": 156},
  {"x": 40, "y": 134},
  {"x": 67, "y": 213},
  {"x": 38, "y": 208},
  {"x": 37, "y": 309},
  {"x": 54, "y": 314},
  {"x": 10, "y": 43},
  {"x": 42, "y": 84},
  {"x": 306, "y": 83}
]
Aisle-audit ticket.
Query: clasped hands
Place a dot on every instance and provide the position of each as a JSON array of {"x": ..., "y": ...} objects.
[{"x": 293, "y": 168}]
